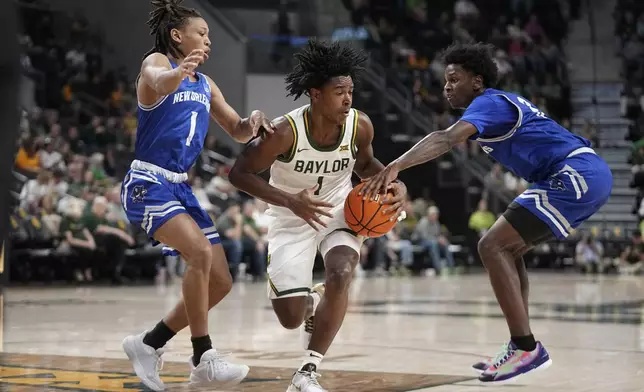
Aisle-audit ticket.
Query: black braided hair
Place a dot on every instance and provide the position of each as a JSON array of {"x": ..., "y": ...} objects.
[
  {"x": 320, "y": 61},
  {"x": 168, "y": 15},
  {"x": 475, "y": 58}
]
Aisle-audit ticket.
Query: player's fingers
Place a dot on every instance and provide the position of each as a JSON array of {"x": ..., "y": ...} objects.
[
  {"x": 312, "y": 225},
  {"x": 317, "y": 220},
  {"x": 374, "y": 188},
  {"x": 397, "y": 216},
  {"x": 319, "y": 211},
  {"x": 320, "y": 203},
  {"x": 366, "y": 188},
  {"x": 392, "y": 207}
]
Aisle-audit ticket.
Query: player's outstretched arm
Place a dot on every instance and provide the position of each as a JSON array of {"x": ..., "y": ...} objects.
[
  {"x": 240, "y": 129},
  {"x": 158, "y": 77},
  {"x": 258, "y": 156},
  {"x": 430, "y": 147}
]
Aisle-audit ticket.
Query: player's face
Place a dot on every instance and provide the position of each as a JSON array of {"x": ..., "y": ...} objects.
[
  {"x": 192, "y": 36},
  {"x": 335, "y": 98},
  {"x": 460, "y": 86}
]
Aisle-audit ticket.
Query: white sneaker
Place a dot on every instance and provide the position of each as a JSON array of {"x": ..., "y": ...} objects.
[
  {"x": 212, "y": 369},
  {"x": 305, "y": 382},
  {"x": 146, "y": 361},
  {"x": 317, "y": 292}
]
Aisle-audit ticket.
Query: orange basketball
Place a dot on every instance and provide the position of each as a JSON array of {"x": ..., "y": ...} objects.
[{"x": 365, "y": 217}]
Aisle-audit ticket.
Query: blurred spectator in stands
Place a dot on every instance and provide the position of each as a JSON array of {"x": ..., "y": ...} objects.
[
  {"x": 50, "y": 158},
  {"x": 632, "y": 258},
  {"x": 230, "y": 227},
  {"x": 480, "y": 222},
  {"x": 254, "y": 244},
  {"x": 76, "y": 144},
  {"x": 59, "y": 184},
  {"x": 78, "y": 242},
  {"x": 431, "y": 235},
  {"x": 49, "y": 216},
  {"x": 34, "y": 190},
  {"x": 494, "y": 179},
  {"x": 589, "y": 254},
  {"x": 219, "y": 186},
  {"x": 28, "y": 158},
  {"x": 399, "y": 240},
  {"x": 533, "y": 28},
  {"x": 112, "y": 239},
  {"x": 482, "y": 219}
]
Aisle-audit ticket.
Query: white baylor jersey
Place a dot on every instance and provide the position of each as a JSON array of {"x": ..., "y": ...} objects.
[{"x": 307, "y": 165}]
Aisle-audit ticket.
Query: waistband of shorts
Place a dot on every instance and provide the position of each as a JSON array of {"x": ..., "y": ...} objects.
[
  {"x": 167, "y": 174},
  {"x": 581, "y": 150}
]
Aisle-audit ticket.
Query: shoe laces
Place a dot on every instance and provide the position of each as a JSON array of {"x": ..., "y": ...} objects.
[
  {"x": 501, "y": 353},
  {"x": 308, "y": 325},
  {"x": 215, "y": 363},
  {"x": 311, "y": 379},
  {"x": 503, "y": 357}
]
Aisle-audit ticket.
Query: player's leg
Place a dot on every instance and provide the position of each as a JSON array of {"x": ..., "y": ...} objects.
[
  {"x": 291, "y": 255},
  {"x": 206, "y": 363},
  {"x": 340, "y": 251},
  {"x": 540, "y": 233},
  {"x": 499, "y": 249}
]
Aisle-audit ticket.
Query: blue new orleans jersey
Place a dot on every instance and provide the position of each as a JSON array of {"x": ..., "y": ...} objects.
[
  {"x": 170, "y": 136},
  {"x": 569, "y": 182},
  {"x": 518, "y": 135},
  {"x": 171, "y": 133}
]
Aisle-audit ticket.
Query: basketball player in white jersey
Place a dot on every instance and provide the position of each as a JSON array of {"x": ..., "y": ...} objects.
[{"x": 311, "y": 155}]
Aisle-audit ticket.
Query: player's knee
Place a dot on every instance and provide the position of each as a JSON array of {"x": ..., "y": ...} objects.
[
  {"x": 340, "y": 274},
  {"x": 290, "y": 311},
  {"x": 487, "y": 245},
  {"x": 200, "y": 257},
  {"x": 289, "y": 321}
]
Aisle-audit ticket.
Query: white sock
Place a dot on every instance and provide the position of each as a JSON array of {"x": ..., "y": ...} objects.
[
  {"x": 311, "y": 357},
  {"x": 316, "y": 300}
]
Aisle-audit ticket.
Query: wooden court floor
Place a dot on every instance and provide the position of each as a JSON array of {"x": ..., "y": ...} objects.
[{"x": 401, "y": 334}]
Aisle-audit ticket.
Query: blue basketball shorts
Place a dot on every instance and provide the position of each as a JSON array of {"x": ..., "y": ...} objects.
[
  {"x": 150, "y": 200},
  {"x": 580, "y": 185}
]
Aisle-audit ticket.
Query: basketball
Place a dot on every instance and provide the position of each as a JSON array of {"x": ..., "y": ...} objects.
[{"x": 365, "y": 217}]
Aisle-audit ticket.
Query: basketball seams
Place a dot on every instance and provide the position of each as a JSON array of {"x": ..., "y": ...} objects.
[{"x": 359, "y": 227}]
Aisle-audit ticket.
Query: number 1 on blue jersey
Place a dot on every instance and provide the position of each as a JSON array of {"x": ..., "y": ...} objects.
[{"x": 193, "y": 127}]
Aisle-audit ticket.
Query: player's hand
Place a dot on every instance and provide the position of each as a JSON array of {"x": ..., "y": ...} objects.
[
  {"x": 306, "y": 207},
  {"x": 190, "y": 63},
  {"x": 378, "y": 183},
  {"x": 260, "y": 124},
  {"x": 397, "y": 201}
]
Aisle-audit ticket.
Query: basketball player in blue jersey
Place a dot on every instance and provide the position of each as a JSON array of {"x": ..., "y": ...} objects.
[
  {"x": 175, "y": 103},
  {"x": 569, "y": 183}
]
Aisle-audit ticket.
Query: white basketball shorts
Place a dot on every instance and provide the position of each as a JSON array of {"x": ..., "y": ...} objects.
[{"x": 293, "y": 245}]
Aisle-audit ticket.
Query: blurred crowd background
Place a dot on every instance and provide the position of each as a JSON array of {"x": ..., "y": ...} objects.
[{"x": 80, "y": 117}]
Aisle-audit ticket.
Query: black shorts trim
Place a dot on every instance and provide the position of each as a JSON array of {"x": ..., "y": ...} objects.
[{"x": 532, "y": 230}]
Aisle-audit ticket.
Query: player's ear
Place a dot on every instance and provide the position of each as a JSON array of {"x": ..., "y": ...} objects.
[
  {"x": 477, "y": 83},
  {"x": 175, "y": 35},
  {"x": 314, "y": 93}
]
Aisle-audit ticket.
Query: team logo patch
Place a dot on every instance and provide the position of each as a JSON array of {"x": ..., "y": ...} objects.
[
  {"x": 344, "y": 148},
  {"x": 557, "y": 185},
  {"x": 138, "y": 193}
]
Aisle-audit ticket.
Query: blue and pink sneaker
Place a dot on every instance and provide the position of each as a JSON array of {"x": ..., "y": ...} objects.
[
  {"x": 487, "y": 362},
  {"x": 515, "y": 362}
]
